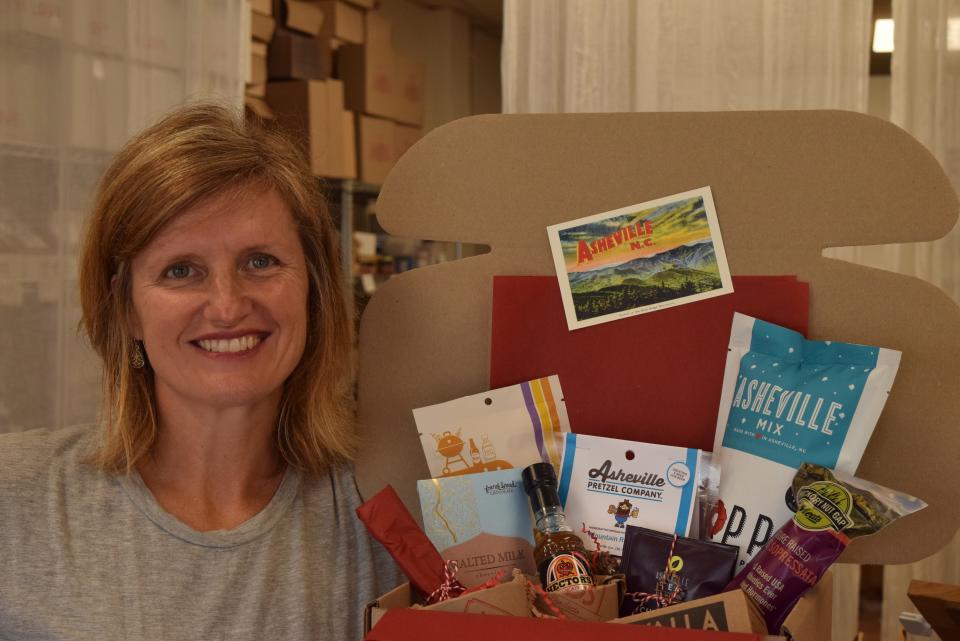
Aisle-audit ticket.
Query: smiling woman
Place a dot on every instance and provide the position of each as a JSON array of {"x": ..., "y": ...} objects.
[{"x": 216, "y": 498}]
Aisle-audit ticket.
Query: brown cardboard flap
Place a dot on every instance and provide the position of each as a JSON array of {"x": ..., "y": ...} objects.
[
  {"x": 506, "y": 599},
  {"x": 785, "y": 184},
  {"x": 939, "y": 603},
  {"x": 726, "y": 612}
]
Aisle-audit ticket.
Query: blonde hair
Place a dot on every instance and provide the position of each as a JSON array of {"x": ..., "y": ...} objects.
[{"x": 190, "y": 155}]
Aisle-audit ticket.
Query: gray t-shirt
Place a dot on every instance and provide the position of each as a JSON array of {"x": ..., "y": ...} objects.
[{"x": 86, "y": 555}]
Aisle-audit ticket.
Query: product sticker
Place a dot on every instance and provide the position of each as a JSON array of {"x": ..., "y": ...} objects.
[
  {"x": 567, "y": 572},
  {"x": 481, "y": 521},
  {"x": 510, "y": 427},
  {"x": 787, "y": 400},
  {"x": 639, "y": 259},
  {"x": 607, "y": 484}
]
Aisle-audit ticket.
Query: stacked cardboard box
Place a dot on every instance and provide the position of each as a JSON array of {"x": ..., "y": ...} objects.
[
  {"x": 312, "y": 110},
  {"x": 261, "y": 27},
  {"x": 327, "y": 70},
  {"x": 293, "y": 38},
  {"x": 384, "y": 88}
]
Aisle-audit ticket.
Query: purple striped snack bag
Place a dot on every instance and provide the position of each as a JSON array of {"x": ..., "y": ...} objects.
[
  {"x": 509, "y": 427},
  {"x": 832, "y": 509}
]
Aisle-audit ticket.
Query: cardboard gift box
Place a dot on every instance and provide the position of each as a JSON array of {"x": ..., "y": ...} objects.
[
  {"x": 407, "y": 624},
  {"x": 786, "y": 185},
  {"x": 726, "y": 612},
  {"x": 506, "y": 599}
]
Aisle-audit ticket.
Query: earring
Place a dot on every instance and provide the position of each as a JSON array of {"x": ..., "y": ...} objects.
[{"x": 136, "y": 359}]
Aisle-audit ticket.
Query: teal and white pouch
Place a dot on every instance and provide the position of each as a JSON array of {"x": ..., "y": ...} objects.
[{"x": 787, "y": 400}]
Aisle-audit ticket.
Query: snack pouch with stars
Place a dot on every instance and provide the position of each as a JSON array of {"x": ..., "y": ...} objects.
[{"x": 788, "y": 400}]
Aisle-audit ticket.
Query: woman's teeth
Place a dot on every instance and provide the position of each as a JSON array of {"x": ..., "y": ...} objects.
[{"x": 241, "y": 344}]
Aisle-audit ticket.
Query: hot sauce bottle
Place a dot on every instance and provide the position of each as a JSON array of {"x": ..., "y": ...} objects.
[{"x": 560, "y": 556}]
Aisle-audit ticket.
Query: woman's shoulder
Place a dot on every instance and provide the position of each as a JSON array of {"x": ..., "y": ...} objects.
[
  {"x": 31, "y": 454},
  {"x": 333, "y": 489}
]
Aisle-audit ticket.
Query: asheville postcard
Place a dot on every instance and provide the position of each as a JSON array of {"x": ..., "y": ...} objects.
[{"x": 639, "y": 259}]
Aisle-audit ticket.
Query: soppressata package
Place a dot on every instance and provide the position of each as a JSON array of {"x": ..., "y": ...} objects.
[
  {"x": 510, "y": 427},
  {"x": 832, "y": 509},
  {"x": 607, "y": 483},
  {"x": 481, "y": 521},
  {"x": 787, "y": 400}
]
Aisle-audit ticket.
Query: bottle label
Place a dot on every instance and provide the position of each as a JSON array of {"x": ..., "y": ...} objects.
[{"x": 566, "y": 572}]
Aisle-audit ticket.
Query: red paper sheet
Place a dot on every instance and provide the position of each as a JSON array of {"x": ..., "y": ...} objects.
[
  {"x": 654, "y": 378},
  {"x": 403, "y": 624}
]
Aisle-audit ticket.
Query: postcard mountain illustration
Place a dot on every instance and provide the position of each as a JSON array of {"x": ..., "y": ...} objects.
[{"x": 640, "y": 259}]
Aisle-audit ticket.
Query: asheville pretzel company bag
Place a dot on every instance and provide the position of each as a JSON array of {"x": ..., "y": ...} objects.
[
  {"x": 607, "y": 484},
  {"x": 787, "y": 400}
]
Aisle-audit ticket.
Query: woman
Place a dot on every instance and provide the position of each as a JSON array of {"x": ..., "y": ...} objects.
[{"x": 216, "y": 499}]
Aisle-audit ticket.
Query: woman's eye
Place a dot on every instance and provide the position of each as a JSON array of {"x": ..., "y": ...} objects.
[
  {"x": 178, "y": 272},
  {"x": 262, "y": 261}
]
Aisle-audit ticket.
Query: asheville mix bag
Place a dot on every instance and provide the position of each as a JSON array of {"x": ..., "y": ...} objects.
[{"x": 787, "y": 400}]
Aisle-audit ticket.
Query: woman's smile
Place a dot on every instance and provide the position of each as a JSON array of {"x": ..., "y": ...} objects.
[{"x": 238, "y": 344}]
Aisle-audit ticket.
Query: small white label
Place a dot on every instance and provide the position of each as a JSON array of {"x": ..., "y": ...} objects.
[{"x": 678, "y": 474}]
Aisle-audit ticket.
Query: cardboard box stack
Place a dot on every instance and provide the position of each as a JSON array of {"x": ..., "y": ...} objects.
[
  {"x": 385, "y": 89},
  {"x": 299, "y": 90},
  {"x": 262, "y": 26},
  {"x": 330, "y": 74}
]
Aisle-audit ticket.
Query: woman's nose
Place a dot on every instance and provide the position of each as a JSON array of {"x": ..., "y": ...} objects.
[{"x": 228, "y": 302}]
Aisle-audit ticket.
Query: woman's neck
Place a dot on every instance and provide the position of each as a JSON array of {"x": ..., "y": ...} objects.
[{"x": 214, "y": 468}]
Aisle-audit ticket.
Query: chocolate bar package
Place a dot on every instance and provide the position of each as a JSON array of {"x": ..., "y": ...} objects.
[
  {"x": 389, "y": 522},
  {"x": 481, "y": 521},
  {"x": 510, "y": 427},
  {"x": 787, "y": 400},
  {"x": 665, "y": 569},
  {"x": 832, "y": 509},
  {"x": 607, "y": 484}
]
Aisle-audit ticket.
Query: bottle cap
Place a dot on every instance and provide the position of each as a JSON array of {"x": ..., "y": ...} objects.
[{"x": 540, "y": 484}]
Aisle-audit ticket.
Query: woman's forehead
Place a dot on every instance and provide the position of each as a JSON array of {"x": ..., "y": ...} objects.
[{"x": 239, "y": 217}]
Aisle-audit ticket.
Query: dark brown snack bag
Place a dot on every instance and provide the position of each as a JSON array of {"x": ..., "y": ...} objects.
[{"x": 666, "y": 569}]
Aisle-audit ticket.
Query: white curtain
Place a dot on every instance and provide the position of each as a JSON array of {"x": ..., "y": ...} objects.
[
  {"x": 692, "y": 55},
  {"x": 683, "y": 55},
  {"x": 77, "y": 78},
  {"x": 925, "y": 101}
]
